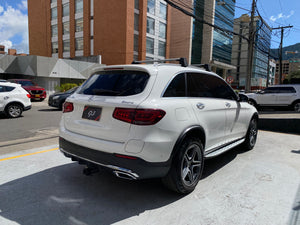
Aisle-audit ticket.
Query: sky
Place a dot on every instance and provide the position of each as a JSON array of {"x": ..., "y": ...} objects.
[{"x": 276, "y": 13}]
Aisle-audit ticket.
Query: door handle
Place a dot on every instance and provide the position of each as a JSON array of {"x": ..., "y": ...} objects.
[
  {"x": 227, "y": 104},
  {"x": 200, "y": 106}
]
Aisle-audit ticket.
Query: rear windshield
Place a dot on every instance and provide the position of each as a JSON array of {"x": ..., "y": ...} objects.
[{"x": 115, "y": 83}]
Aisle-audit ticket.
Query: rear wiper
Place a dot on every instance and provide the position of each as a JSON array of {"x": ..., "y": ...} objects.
[{"x": 105, "y": 92}]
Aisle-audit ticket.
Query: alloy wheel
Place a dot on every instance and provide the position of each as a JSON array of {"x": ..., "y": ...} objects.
[{"x": 191, "y": 165}]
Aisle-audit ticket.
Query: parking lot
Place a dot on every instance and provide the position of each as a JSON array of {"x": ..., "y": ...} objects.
[{"x": 256, "y": 187}]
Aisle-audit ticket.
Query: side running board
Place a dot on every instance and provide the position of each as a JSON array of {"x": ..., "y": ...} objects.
[{"x": 224, "y": 149}]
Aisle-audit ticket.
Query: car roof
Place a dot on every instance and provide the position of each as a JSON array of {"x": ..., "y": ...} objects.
[
  {"x": 21, "y": 79},
  {"x": 152, "y": 69},
  {"x": 10, "y": 84}
]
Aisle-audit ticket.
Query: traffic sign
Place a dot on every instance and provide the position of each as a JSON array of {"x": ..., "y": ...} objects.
[{"x": 229, "y": 79}]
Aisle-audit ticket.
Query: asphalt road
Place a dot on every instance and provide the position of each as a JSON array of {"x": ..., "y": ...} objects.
[
  {"x": 40, "y": 118},
  {"x": 252, "y": 188}
]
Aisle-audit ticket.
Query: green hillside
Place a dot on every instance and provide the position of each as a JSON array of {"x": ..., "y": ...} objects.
[{"x": 285, "y": 55}]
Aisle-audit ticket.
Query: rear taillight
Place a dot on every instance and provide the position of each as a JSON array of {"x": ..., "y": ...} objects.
[
  {"x": 28, "y": 95},
  {"x": 68, "y": 107},
  {"x": 139, "y": 116}
]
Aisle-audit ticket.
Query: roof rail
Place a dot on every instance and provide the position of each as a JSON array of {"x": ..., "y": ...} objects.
[
  {"x": 205, "y": 66},
  {"x": 182, "y": 61}
]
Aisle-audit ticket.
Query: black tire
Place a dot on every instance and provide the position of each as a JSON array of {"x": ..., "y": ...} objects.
[
  {"x": 14, "y": 110},
  {"x": 251, "y": 135},
  {"x": 296, "y": 106},
  {"x": 186, "y": 168}
]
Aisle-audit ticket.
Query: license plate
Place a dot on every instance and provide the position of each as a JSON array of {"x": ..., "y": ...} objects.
[
  {"x": 37, "y": 96},
  {"x": 91, "y": 113}
]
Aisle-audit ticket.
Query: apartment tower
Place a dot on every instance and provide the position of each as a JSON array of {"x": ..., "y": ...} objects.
[{"x": 115, "y": 31}]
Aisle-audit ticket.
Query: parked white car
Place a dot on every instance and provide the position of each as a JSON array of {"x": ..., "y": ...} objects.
[
  {"x": 277, "y": 95},
  {"x": 13, "y": 99},
  {"x": 158, "y": 120}
]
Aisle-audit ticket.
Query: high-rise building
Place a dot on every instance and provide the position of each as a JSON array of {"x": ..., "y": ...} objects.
[
  {"x": 117, "y": 31},
  {"x": 200, "y": 42},
  {"x": 262, "y": 42}
]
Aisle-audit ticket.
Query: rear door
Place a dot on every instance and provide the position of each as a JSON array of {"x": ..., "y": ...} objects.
[
  {"x": 285, "y": 95},
  {"x": 268, "y": 96},
  {"x": 95, "y": 102},
  {"x": 209, "y": 110}
]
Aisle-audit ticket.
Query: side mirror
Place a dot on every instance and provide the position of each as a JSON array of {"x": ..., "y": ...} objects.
[{"x": 243, "y": 98}]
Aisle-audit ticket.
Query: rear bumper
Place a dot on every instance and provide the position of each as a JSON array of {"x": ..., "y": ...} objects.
[{"x": 137, "y": 168}]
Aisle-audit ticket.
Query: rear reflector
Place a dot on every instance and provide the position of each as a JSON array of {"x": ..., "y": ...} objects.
[
  {"x": 139, "y": 116},
  {"x": 125, "y": 156},
  {"x": 28, "y": 95},
  {"x": 68, "y": 107}
]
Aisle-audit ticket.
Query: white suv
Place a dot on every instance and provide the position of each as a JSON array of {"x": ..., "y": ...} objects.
[
  {"x": 277, "y": 95},
  {"x": 13, "y": 99},
  {"x": 158, "y": 120}
]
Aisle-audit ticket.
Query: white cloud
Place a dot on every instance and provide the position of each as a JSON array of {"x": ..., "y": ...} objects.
[
  {"x": 23, "y": 5},
  {"x": 1, "y": 9},
  {"x": 13, "y": 22},
  {"x": 280, "y": 15},
  {"x": 6, "y": 43}
]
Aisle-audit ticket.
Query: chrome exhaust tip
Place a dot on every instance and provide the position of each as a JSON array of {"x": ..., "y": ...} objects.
[{"x": 124, "y": 175}]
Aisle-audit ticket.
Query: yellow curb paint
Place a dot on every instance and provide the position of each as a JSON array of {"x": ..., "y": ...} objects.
[{"x": 34, "y": 153}]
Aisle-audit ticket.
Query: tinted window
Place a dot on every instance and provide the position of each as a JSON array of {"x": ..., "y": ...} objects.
[
  {"x": 270, "y": 90},
  {"x": 115, "y": 83},
  {"x": 205, "y": 85},
  {"x": 177, "y": 87},
  {"x": 25, "y": 83},
  {"x": 6, "y": 88},
  {"x": 287, "y": 90}
]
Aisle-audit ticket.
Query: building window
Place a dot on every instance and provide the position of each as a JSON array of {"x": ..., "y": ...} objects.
[
  {"x": 53, "y": 1},
  {"x": 79, "y": 25},
  {"x": 136, "y": 22},
  {"x": 66, "y": 46},
  {"x": 54, "y": 30},
  {"x": 54, "y": 47},
  {"x": 78, "y": 6},
  {"x": 136, "y": 4},
  {"x": 162, "y": 30},
  {"x": 150, "y": 25},
  {"x": 78, "y": 44},
  {"x": 136, "y": 43},
  {"x": 163, "y": 11},
  {"x": 54, "y": 13},
  {"x": 161, "y": 48},
  {"x": 66, "y": 28},
  {"x": 66, "y": 11},
  {"x": 150, "y": 45},
  {"x": 151, "y": 6}
]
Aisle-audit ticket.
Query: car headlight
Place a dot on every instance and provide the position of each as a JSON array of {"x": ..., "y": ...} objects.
[{"x": 55, "y": 97}]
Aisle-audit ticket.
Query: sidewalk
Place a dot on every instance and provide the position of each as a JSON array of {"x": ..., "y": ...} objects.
[{"x": 279, "y": 121}]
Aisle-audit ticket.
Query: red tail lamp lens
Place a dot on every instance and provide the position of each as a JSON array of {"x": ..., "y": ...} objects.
[
  {"x": 68, "y": 107},
  {"x": 139, "y": 116},
  {"x": 28, "y": 95}
]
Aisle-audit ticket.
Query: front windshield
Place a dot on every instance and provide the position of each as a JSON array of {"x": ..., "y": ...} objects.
[{"x": 26, "y": 83}]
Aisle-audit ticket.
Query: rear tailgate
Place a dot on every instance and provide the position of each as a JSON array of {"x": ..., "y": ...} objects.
[{"x": 93, "y": 114}]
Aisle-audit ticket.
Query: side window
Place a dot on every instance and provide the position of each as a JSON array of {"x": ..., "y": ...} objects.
[
  {"x": 270, "y": 90},
  {"x": 286, "y": 90},
  {"x": 9, "y": 88},
  {"x": 177, "y": 87},
  {"x": 1, "y": 89},
  {"x": 205, "y": 85}
]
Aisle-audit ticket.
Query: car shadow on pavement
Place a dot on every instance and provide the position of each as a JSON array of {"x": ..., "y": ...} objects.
[
  {"x": 63, "y": 195},
  {"x": 214, "y": 164},
  {"x": 3, "y": 116}
]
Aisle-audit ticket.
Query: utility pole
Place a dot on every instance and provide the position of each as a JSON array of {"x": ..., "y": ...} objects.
[
  {"x": 280, "y": 50},
  {"x": 250, "y": 49}
]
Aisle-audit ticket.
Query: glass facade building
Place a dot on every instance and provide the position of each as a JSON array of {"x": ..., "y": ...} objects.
[{"x": 222, "y": 41}]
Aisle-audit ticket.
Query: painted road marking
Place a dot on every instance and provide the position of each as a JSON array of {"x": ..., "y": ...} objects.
[{"x": 34, "y": 153}]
